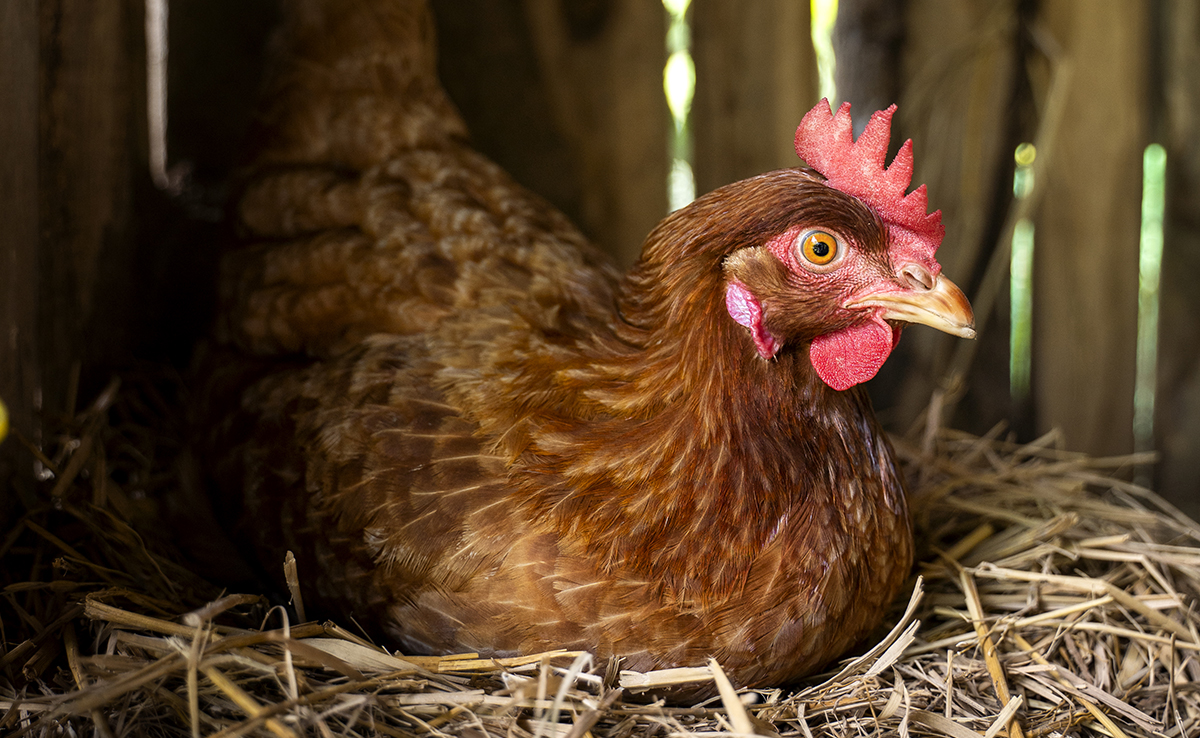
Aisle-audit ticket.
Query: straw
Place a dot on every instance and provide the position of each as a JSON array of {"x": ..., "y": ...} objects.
[{"x": 1054, "y": 599}]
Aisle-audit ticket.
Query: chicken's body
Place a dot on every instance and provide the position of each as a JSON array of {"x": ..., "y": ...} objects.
[{"x": 491, "y": 442}]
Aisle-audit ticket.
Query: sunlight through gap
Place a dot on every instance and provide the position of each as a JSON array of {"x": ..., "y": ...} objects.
[
  {"x": 156, "y": 89},
  {"x": 824, "y": 16},
  {"x": 679, "y": 84},
  {"x": 1020, "y": 339},
  {"x": 1154, "y": 170}
]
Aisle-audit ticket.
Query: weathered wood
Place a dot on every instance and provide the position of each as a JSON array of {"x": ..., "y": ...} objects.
[
  {"x": 215, "y": 70},
  {"x": 1177, "y": 421},
  {"x": 73, "y": 277},
  {"x": 956, "y": 96},
  {"x": 869, "y": 44},
  {"x": 488, "y": 65},
  {"x": 71, "y": 153},
  {"x": 93, "y": 156},
  {"x": 602, "y": 63},
  {"x": 19, "y": 361},
  {"x": 756, "y": 77},
  {"x": 1086, "y": 253}
]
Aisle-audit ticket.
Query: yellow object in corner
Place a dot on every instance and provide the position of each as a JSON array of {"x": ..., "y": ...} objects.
[{"x": 3, "y": 420}]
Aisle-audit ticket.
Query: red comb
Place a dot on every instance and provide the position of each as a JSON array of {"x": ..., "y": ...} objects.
[{"x": 826, "y": 143}]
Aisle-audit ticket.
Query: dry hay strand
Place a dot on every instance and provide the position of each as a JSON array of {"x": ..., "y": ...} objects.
[{"x": 1051, "y": 598}]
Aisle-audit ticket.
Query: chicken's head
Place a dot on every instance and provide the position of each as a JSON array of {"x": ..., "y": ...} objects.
[{"x": 855, "y": 261}]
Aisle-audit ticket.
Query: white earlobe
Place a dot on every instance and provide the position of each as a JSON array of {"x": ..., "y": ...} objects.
[{"x": 745, "y": 308}]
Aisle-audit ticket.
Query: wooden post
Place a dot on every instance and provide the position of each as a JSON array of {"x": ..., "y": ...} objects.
[
  {"x": 1177, "y": 421},
  {"x": 756, "y": 77},
  {"x": 19, "y": 362},
  {"x": 92, "y": 159},
  {"x": 72, "y": 136},
  {"x": 869, "y": 45},
  {"x": 603, "y": 72},
  {"x": 1086, "y": 253},
  {"x": 956, "y": 98},
  {"x": 490, "y": 69}
]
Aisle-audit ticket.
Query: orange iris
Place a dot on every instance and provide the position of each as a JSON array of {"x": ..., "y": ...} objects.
[{"x": 819, "y": 248}]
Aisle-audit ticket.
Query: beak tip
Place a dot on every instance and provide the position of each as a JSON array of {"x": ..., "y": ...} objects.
[{"x": 942, "y": 306}]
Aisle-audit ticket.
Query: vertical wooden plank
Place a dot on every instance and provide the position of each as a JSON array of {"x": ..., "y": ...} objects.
[
  {"x": 1177, "y": 405},
  {"x": 956, "y": 97},
  {"x": 1086, "y": 253},
  {"x": 19, "y": 386},
  {"x": 92, "y": 157},
  {"x": 214, "y": 79},
  {"x": 756, "y": 77},
  {"x": 869, "y": 43},
  {"x": 602, "y": 63},
  {"x": 489, "y": 67}
]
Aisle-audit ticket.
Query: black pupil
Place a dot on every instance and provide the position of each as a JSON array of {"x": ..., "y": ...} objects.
[{"x": 820, "y": 249}]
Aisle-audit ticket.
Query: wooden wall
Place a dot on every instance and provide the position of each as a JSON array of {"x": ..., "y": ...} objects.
[
  {"x": 1092, "y": 87},
  {"x": 1086, "y": 258},
  {"x": 20, "y": 365},
  {"x": 100, "y": 271},
  {"x": 98, "y": 268},
  {"x": 973, "y": 79},
  {"x": 72, "y": 158},
  {"x": 569, "y": 98},
  {"x": 954, "y": 84},
  {"x": 589, "y": 125},
  {"x": 756, "y": 77},
  {"x": 1176, "y": 34}
]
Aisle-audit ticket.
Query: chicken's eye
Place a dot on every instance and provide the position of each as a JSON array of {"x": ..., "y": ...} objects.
[{"x": 819, "y": 248}]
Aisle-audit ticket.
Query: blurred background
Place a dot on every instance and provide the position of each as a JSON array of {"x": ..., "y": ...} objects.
[{"x": 1059, "y": 139}]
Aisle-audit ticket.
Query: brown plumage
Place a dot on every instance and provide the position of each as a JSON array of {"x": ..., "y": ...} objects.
[{"x": 476, "y": 436}]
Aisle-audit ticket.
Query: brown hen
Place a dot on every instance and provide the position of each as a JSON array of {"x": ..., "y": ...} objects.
[{"x": 477, "y": 436}]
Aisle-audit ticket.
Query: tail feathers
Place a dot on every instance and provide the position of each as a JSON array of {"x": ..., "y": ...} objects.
[{"x": 353, "y": 83}]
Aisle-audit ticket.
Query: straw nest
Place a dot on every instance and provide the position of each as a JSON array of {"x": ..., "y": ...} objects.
[{"x": 1050, "y": 598}]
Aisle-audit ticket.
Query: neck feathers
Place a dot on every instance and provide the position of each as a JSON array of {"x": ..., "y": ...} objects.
[{"x": 691, "y": 453}]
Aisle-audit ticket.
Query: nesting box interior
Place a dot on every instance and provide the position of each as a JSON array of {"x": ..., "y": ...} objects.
[{"x": 1060, "y": 590}]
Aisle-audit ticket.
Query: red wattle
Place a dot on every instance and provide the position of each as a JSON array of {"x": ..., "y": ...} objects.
[{"x": 852, "y": 355}]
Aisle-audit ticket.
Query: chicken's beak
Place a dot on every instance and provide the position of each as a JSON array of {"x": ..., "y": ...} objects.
[{"x": 941, "y": 305}]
